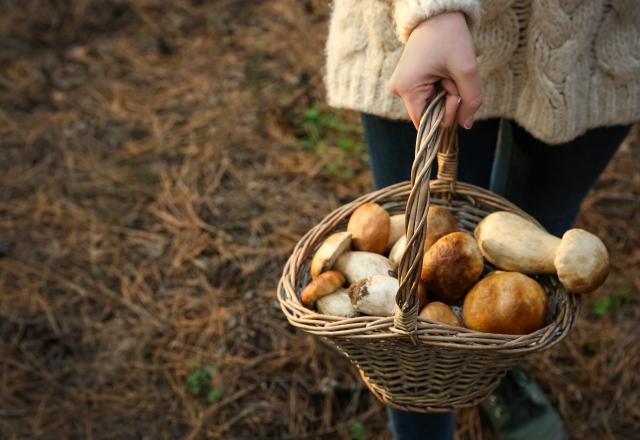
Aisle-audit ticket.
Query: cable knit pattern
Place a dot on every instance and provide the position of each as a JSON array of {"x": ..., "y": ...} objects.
[{"x": 557, "y": 67}]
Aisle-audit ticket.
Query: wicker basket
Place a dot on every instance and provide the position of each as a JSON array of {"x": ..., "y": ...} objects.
[{"x": 408, "y": 362}]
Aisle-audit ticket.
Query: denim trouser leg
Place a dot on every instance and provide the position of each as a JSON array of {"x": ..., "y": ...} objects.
[{"x": 549, "y": 182}]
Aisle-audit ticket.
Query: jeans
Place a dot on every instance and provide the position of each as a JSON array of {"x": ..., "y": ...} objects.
[{"x": 547, "y": 181}]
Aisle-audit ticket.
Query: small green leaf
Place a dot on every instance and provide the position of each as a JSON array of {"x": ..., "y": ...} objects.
[
  {"x": 215, "y": 395},
  {"x": 331, "y": 167},
  {"x": 312, "y": 114},
  {"x": 199, "y": 381},
  {"x": 357, "y": 430},
  {"x": 346, "y": 144},
  {"x": 601, "y": 306}
]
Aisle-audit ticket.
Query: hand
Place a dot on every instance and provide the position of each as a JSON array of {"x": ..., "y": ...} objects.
[{"x": 439, "y": 49}]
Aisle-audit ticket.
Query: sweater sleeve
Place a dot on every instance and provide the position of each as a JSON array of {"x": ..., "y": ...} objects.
[{"x": 410, "y": 13}]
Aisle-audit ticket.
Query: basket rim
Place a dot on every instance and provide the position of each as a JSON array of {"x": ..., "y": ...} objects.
[{"x": 426, "y": 331}]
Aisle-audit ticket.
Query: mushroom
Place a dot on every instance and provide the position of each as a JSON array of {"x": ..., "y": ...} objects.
[
  {"x": 512, "y": 243},
  {"x": 508, "y": 303},
  {"x": 397, "y": 250},
  {"x": 336, "y": 304},
  {"x": 440, "y": 222},
  {"x": 375, "y": 295},
  {"x": 369, "y": 227},
  {"x": 359, "y": 265},
  {"x": 329, "y": 251},
  {"x": 452, "y": 265},
  {"x": 325, "y": 284},
  {"x": 396, "y": 229},
  {"x": 582, "y": 261},
  {"x": 440, "y": 312}
]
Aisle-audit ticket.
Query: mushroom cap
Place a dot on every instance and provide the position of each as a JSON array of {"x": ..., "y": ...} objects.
[
  {"x": 397, "y": 250},
  {"x": 359, "y": 265},
  {"x": 582, "y": 261},
  {"x": 507, "y": 303},
  {"x": 440, "y": 312},
  {"x": 369, "y": 227},
  {"x": 440, "y": 222},
  {"x": 337, "y": 303},
  {"x": 396, "y": 229},
  {"x": 452, "y": 265},
  {"x": 375, "y": 296},
  {"x": 422, "y": 293},
  {"x": 326, "y": 283},
  {"x": 329, "y": 251}
]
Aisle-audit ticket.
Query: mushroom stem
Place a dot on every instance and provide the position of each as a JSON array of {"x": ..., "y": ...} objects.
[{"x": 512, "y": 243}]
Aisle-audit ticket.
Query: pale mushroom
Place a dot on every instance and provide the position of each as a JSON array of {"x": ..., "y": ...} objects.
[
  {"x": 329, "y": 251},
  {"x": 337, "y": 303},
  {"x": 512, "y": 243},
  {"x": 396, "y": 229},
  {"x": 440, "y": 312},
  {"x": 369, "y": 227},
  {"x": 397, "y": 250},
  {"x": 375, "y": 295},
  {"x": 451, "y": 266},
  {"x": 326, "y": 283},
  {"x": 359, "y": 265},
  {"x": 582, "y": 261},
  {"x": 508, "y": 302}
]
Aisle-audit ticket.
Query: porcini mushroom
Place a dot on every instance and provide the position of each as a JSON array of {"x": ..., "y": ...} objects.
[
  {"x": 375, "y": 295},
  {"x": 396, "y": 229},
  {"x": 325, "y": 284},
  {"x": 397, "y": 250},
  {"x": 452, "y": 265},
  {"x": 369, "y": 227},
  {"x": 359, "y": 265},
  {"x": 329, "y": 251},
  {"x": 440, "y": 312},
  {"x": 440, "y": 222},
  {"x": 337, "y": 303},
  {"x": 507, "y": 302},
  {"x": 512, "y": 243}
]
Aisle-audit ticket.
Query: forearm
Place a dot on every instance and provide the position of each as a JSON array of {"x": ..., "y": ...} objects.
[{"x": 410, "y": 13}]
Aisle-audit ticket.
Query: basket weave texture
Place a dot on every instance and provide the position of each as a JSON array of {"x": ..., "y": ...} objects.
[{"x": 407, "y": 362}]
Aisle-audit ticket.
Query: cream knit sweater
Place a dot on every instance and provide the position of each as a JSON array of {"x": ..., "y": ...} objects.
[{"x": 556, "y": 67}]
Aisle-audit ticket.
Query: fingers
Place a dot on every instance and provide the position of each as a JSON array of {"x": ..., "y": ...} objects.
[
  {"x": 467, "y": 80},
  {"x": 451, "y": 102},
  {"x": 415, "y": 99}
]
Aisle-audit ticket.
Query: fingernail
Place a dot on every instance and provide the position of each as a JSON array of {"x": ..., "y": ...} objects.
[
  {"x": 459, "y": 100},
  {"x": 468, "y": 123}
]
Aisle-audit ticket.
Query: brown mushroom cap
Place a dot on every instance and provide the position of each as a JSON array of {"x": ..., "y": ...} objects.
[
  {"x": 582, "y": 261},
  {"x": 452, "y": 265},
  {"x": 369, "y": 227},
  {"x": 440, "y": 222},
  {"x": 326, "y": 283},
  {"x": 440, "y": 312},
  {"x": 507, "y": 303},
  {"x": 329, "y": 251}
]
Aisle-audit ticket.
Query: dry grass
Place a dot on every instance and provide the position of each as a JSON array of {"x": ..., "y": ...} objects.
[{"x": 157, "y": 166}]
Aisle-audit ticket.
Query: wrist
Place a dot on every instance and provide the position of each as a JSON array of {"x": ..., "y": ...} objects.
[{"x": 409, "y": 14}]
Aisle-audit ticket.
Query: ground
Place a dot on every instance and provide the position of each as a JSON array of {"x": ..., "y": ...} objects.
[{"x": 159, "y": 160}]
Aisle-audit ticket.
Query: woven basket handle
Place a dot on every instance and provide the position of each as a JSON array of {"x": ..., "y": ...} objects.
[{"x": 432, "y": 140}]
